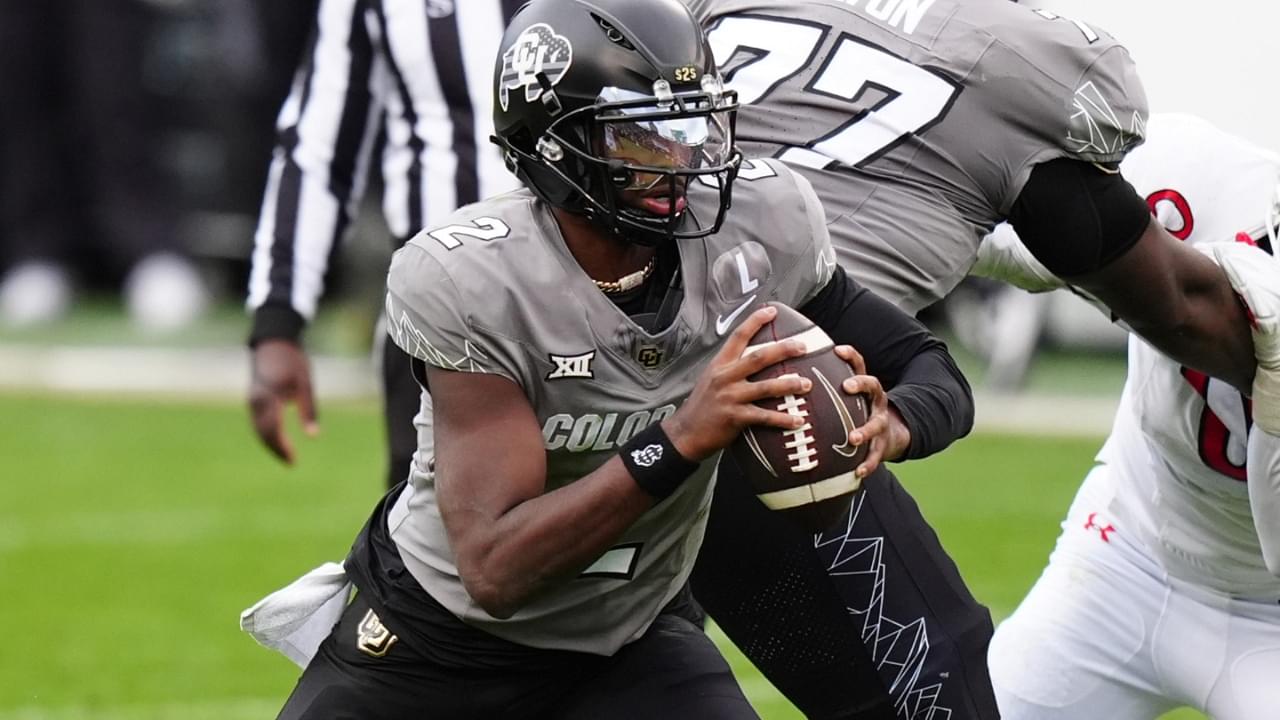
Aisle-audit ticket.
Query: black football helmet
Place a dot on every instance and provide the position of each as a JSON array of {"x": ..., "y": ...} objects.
[{"x": 609, "y": 108}]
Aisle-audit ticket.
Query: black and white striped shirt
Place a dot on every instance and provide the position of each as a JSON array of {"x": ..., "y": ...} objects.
[{"x": 418, "y": 72}]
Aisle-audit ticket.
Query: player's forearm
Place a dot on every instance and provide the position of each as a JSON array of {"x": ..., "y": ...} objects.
[
  {"x": 924, "y": 384},
  {"x": 935, "y": 401},
  {"x": 1181, "y": 303},
  {"x": 1211, "y": 336},
  {"x": 505, "y": 561},
  {"x": 1196, "y": 320}
]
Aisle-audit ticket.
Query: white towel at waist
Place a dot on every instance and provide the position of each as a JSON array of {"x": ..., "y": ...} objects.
[{"x": 296, "y": 618}]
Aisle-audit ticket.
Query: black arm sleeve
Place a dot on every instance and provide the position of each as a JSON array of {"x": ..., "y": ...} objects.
[
  {"x": 1076, "y": 218},
  {"x": 918, "y": 373}
]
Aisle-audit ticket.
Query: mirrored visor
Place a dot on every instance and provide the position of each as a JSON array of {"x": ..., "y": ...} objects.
[{"x": 644, "y": 134}]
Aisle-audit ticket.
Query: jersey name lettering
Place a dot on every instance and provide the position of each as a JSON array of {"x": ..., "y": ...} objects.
[
  {"x": 594, "y": 432},
  {"x": 904, "y": 15}
]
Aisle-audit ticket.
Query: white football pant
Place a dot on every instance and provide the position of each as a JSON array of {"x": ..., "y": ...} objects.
[{"x": 1105, "y": 633}]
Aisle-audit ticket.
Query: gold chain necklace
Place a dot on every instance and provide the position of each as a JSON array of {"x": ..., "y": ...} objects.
[{"x": 626, "y": 282}]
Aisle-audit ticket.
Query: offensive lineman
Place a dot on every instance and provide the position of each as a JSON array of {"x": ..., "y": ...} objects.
[
  {"x": 573, "y": 336},
  {"x": 1163, "y": 590},
  {"x": 921, "y": 124}
]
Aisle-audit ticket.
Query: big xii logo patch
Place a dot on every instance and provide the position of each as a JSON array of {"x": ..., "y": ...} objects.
[
  {"x": 538, "y": 50},
  {"x": 373, "y": 638}
]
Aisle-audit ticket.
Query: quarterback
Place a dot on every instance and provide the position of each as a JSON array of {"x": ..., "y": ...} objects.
[
  {"x": 583, "y": 341},
  {"x": 1164, "y": 588}
]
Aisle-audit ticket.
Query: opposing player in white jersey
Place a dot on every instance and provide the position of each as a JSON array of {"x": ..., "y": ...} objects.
[{"x": 1163, "y": 588}]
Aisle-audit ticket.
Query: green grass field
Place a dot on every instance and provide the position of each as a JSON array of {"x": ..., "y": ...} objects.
[{"x": 132, "y": 532}]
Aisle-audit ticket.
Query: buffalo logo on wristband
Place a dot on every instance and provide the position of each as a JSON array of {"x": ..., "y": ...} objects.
[
  {"x": 373, "y": 638},
  {"x": 647, "y": 455}
]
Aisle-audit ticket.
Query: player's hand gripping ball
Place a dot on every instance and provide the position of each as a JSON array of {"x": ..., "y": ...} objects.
[{"x": 806, "y": 473}]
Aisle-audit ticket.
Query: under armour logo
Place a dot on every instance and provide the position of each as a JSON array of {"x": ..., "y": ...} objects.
[
  {"x": 572, "y": 366},
  {"x": 647, "y": 455},
  {"x": 1103, "y": 530}
]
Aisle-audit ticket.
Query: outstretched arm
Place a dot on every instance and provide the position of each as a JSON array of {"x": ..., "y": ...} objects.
[
  {"x": 1088, "y": 226},
  {"x": 1179, "y": 301}
]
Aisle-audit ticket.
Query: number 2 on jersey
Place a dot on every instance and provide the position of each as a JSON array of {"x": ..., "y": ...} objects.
[
  {"x": 915, "y": 98},
  {"x": 483, "y": 228}
]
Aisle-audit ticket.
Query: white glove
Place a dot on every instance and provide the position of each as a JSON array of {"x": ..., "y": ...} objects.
[
  {"x": 1255, "y": 275},
  {"x": 1263, "y": 462},
  {"x": 1002, "y": 256}
]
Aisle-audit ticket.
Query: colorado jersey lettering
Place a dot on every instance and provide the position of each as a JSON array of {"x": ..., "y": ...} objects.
[
  {"x": 521, "y": 307},
  {"x": 919, "y": 129},
  {"x": 597, "y": 432}
]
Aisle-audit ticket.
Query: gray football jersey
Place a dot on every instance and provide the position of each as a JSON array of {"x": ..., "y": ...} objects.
[
  {"x": 495, "y": 290},
  {"x": 918, "y": 121}
]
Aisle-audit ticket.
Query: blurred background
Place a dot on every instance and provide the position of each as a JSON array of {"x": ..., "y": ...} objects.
[{"x": 138, "y": 512}]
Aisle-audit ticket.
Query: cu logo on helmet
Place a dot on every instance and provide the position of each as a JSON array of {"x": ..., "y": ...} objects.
[{"x": 537, "y": 50}]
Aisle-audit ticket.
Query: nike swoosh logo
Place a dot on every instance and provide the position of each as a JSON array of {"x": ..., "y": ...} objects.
[
  {"x": 846, "y": 419},
  {"x": 724, "y": 321}
]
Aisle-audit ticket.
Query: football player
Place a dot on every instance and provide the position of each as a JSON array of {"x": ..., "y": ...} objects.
[
  {"x": 583, "y": 343},
  {"x": 920, "y": 125},
  {"x": 1164, "y": 587}
]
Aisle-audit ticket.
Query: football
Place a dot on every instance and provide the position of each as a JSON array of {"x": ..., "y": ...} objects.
[{"x": 806, "y": 473}]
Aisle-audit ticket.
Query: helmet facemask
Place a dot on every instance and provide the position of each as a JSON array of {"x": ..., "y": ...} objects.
[{"x": 629, "y": 158}]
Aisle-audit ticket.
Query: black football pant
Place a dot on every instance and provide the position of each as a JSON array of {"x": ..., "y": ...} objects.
[
  {"x": 870, "y": 620},
  {"x": 673, "y": 672}
]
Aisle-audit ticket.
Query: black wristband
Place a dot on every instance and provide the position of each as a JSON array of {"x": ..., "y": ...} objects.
[
  {"x": 654, "y": 463},
  {"x": 274, "y": 321}
]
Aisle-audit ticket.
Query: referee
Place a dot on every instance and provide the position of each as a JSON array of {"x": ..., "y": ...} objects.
[{"x": 415, "y": 74}]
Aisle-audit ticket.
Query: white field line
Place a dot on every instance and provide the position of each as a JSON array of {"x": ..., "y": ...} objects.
[
  {"x": 226, "y": 709},
  {"x": 1044, "y": 414},
  {"x": 164, "y": 371},
  {"x": 225, "y": 373}
]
